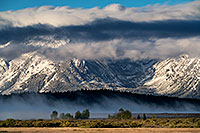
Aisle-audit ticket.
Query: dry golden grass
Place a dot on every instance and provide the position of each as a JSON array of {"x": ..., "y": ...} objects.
[{"x": 101, "y": 130}]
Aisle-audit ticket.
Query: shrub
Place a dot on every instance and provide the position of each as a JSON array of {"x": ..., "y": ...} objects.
[
  {"x": 134, "y": 124},
  {"x": 198, "y": 123},
  {"x": 9, "y": 123},
  {"x": 23, "y": 124},
  {"x": 2, "y": 124}
]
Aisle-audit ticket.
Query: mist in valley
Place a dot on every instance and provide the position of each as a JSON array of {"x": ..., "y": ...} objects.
[{"x": 100, "y": 104}]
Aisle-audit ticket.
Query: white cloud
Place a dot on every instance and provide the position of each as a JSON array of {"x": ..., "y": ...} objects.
[
  {"x": 115, "y": 48},
  {"x": 64, "y": 16},
  {"x": 116, "y": 45},
  {"x": 138, "y": 49}
]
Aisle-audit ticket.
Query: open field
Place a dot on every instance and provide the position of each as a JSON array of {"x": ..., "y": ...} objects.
[
  {"x": 107, "y": 123},
  {"x": 102, "y": 130}
]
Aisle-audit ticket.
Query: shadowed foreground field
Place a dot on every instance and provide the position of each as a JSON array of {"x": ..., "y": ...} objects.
[{"x": 101, "y": 130}]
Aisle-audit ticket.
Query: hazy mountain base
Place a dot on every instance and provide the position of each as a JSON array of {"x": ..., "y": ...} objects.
[{"x": 40, "y": 105}]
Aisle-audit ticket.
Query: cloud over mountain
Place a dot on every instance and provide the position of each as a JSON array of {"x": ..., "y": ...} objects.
[
  {"x": 65, "y": 16},
  {"x": 156, "y": 31}
]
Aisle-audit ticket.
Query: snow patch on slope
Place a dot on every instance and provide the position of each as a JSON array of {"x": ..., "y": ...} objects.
[
  {"x": 177, "y": 77},
  {"x": 46, "y": 42}
]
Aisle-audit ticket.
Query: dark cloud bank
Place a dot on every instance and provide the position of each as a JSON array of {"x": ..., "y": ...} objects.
[
  {"x": 95, "y": 39},
  {"x": 107, "y": 29}
]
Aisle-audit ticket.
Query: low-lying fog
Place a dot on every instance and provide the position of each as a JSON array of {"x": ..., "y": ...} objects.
[{"x": 35, "y": 106}]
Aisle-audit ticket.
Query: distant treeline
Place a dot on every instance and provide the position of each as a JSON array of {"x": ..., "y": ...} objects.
[
  {"x": 122, "y": 114},
  {"x": 78, "y": 115},
  {"x": 122, "y": 119}
]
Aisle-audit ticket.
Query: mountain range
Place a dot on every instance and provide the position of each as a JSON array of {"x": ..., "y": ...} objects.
[{"x": 33, "y": 72}]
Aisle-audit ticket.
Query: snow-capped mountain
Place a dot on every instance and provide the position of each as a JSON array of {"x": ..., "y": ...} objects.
[
  {"x": 178, "y": 77},
  {"x": 32, "y": 72}
]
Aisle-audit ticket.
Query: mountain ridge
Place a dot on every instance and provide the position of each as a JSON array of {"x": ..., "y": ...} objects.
[{"x": 33, "y": 72}]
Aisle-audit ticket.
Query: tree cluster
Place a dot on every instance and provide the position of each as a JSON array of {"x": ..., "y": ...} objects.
[
  {"x": 62, "y": 116},
  {"x": 84, "y": 115},
  {"x": 122, "y": 114},
  {"x": 78, "y": 115}
]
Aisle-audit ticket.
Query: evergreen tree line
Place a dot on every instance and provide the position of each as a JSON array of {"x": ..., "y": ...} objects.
[
  {"x": 144, "y": 117},
  {"x": 85, "y": 114},
  {"x": 78, "y": 115}
]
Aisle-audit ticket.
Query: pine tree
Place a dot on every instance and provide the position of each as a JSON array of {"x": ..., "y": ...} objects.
[
  {"x": 138, "y": 117},
  {"x": 144, "y": 117},
  {"x": 121, "y": 110}
]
